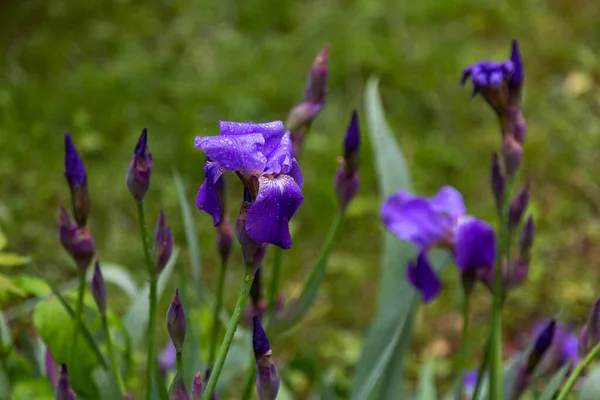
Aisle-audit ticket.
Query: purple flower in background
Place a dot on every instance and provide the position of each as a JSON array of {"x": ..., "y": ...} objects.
[
  {"x": 163, "y": 243},
  {"x": 261, "y": 155},
  {"x": 98, "y": 289},
  {"x": 166, "y": 359},
  {"x": 51, "y": 370},
  {"x": 423, "y": 277},
  {"x": 440, "y": 221},
  {"x": 77, "y": 179},
  {"x": 562, "y": 347}
]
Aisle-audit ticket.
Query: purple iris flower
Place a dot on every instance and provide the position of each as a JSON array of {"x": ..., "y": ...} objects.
[
  {"x": 439, "y": 221},
  {"x": 261, "y": 155}
]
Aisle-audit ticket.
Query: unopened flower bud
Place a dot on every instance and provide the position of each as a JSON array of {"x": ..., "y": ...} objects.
[
  {"x": 302, "y": 115},
  {"x": 316, "y": 85},
  {"x": 515, "y": 83},
  {"x": 512, "y": 152},
  {"x": 98, "y": 289},
  {"x": 267, "y": 379},
  {"x": 178, "y": 391},
  {"x": 197, "y": 387},
  {"x": 352, "y": 143},
  {"x": 498, "y": 182},
  {"x": 176, "y": 322},
  {"x": 593, "y": 324},
  {"x": 224, "y": 238},
  {"x": 346, "y": 186},
  {"x": 163, "y": 243},
  {"x": 252, "y": 252},
  {"x": 83, "y": 249},
  {"x": 63, "y": 389},
  {"x": 140, "y": 169},
  {"x": 542, "y": 343},
  {"x": 50, "y": 364},
  {"x": 527, "y": 238},
  {"x": 517, "y": 207},
  {"x": 66, "y": 230},
  {"x": 77, "y": 179}
]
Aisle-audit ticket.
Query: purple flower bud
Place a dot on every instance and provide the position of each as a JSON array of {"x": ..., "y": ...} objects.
[
  {"x": 178, "y": 391},
  {"x": 593, "y": 324},
  {"x": 498, "y": 182},
  {"x": 163, "y": 243},
  {"x": 253, "y": 253},
  {"x": 516, "y": 79},
  {"x": 346, "y": 186},
  {"x": 50, "y": 364},
  {"x": 512, "y": 152},
  {"x": 352, "y": 143},
  {"x": 542, "y": 343},
  {"x": 316, "y": 85},
  {"x": 301, "y": 116},
  {"x": 176, "y": 322},
  {"x": 267, "y": 379},
  {"x": 518, "y": 206},
  {"x": 83, "y": 249},
  {"x": 197, "y": 387},
  {"x": 224, "y": 238},
  {"x": 140, "y": 169},
  {"x": 66, "y": 230},
  {"x": 583, "y": 341},
  {"x": 98, "y": 289},
  {"x": 526, "y": 239},
  {"x": 166, "y": 359},
  {"x": 77, "y": 179},
  {"x": 63, "y": 389}
]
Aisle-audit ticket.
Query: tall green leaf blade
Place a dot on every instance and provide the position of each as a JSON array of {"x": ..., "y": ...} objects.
[
  {"x": 590, "y": 390},
  {"x": 555, "y": 382},
  {"x": 427, "y": 389}
]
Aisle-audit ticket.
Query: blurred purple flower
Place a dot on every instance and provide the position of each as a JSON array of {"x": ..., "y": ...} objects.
[
  {"x": 77, "y": 179},
  {"x": 261, "y": 155},
  {"x": 166, "y": 359},
  {"x": 98, "y": 289},
  {"x": 197, "y": 386},
  {"x": 51, "y": 370},
  {"x": 423, "y": 277},
  {"x": 441, "y": 221},
  {"x": 563, "y": 347},
  {"x": 163, "y": 243}
]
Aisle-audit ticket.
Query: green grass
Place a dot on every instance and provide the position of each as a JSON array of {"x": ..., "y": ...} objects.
[{"x": 103, "y": 70}]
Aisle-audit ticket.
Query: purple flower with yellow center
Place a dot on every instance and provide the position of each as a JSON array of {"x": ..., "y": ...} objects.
[
  {"x": 439, "y": 221},
  {"x": 261, "y": 155}
]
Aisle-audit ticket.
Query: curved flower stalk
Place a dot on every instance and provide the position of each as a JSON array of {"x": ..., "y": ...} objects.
[
  {"x": 440, "y": 221},
  {"x": 261, "y": 155}
]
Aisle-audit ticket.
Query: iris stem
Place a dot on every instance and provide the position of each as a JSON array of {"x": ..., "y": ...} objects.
[
  {"x": 231, "y": 327},
  {"x": 113, "y": 356},
  {"x": 496, "y": 371},
  {"x": 579, "y": 369},
  {"x": 274, "y": 288},
  {"x": 464, "y": 345},
  {"x": 216, "y": 312},
  {"x": 151, "y": 332},
  {"x": 482, "y": 367},
  {"x": 78, "y": 315}
]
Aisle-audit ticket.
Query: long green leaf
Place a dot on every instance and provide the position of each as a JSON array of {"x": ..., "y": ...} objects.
[
  {"x": 136, "y": 319},
  {"x": 427, "y": 389},
  {"x": 554, "y": 384},
  {"x": 311, "y": 288},
  {"x": 590, "y": 390}
]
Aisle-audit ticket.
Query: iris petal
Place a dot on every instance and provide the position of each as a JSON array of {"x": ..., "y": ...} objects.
[
  {"x": 449, "y": 200},
  {"x": 422, "y": 276},
  {"x": 235, "y": 153},
  {"x": 475, "y": 245},
  {"x": 279, "y": 159},
  {"x": 296, "y": 173},
  {"x": 268, "y": 217},
  {"x": 207, "y": 199},
  {"x": 267, "y": 129}
]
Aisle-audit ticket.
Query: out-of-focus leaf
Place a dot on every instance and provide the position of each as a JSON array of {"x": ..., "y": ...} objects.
[
  {"x": 55, "y": 326},
  {"x": 5, "y": 335},
  {"x": 136, "y": 319},
  {"x": 8, "y": 286},
  {"x": 3, "y": 240},
  {"x": 13, "y": 259},
  {"x": 32, "y": 285},
  {"x": 117, "y": 275},
  {"x": 299, "y": 308},
  {"x": 427, "y": 389},
  {"x": 326, "y": 389},
  {"x": 555, "y": 382},
  {"x": 590, "y": 390},
  {"x": 36, "y": 388}
]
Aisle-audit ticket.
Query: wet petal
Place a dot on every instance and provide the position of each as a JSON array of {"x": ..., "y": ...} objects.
[
  {"x": 267, "y": 129},
  {"x": 296, "y": 173},
  {"x": 268, "y": 217},
  {"x": 422, "y": 276},
  {"x": 207, "y": 199},
  {"x": 279, "y": 159},
  {"x": 235, "y": 153},
  {"x": 475, "y": 244},
  {"x": 414, "y": 221},
  {"x": 449, "y": 200}
]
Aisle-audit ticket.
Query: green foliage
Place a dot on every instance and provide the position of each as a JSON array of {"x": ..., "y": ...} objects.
[
  {"x": 590, "y": 390},
  {"x": 554, "y": 384}
]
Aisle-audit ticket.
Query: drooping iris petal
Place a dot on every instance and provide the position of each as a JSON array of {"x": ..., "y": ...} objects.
[
  {"x": 449, "y": 200},
  {"x": 422, "y": 276},
  {"x": 475, "y": 244},
  {"x": 279, "y": 160},
  {"x": 415, "y": 221},
  {"x": 296, "y": 173},
  {"x": 207, "y": 199},
  {"x": 268, "y": 217},
  {"x": 236, "y": 152}
]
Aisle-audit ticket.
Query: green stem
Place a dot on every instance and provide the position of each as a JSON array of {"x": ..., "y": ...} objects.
[
  {"x": 216, "y": 312},
  {"x": 113, "y": 356},
  {"x": 496, "y": 372},
  {"x": 78, "y": 315},
  {"x": 274, "y": 288},
  {"x": 482, "y": 367},
  {"x": 579, "y": 369},
  {"x": 179, "y": 362},
  {"x": 151, "y": 333},
  {"x": 250, "y": 379},
  {"x": 231, "y": 327},
  {"x": 464, "y": 346}
]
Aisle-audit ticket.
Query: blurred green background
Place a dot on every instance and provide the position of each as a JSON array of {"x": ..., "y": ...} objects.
[{"x": 103, "y": 70}]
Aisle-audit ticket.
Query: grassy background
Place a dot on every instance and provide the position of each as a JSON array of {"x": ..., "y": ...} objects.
[{"x": 103, "y": 70}]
